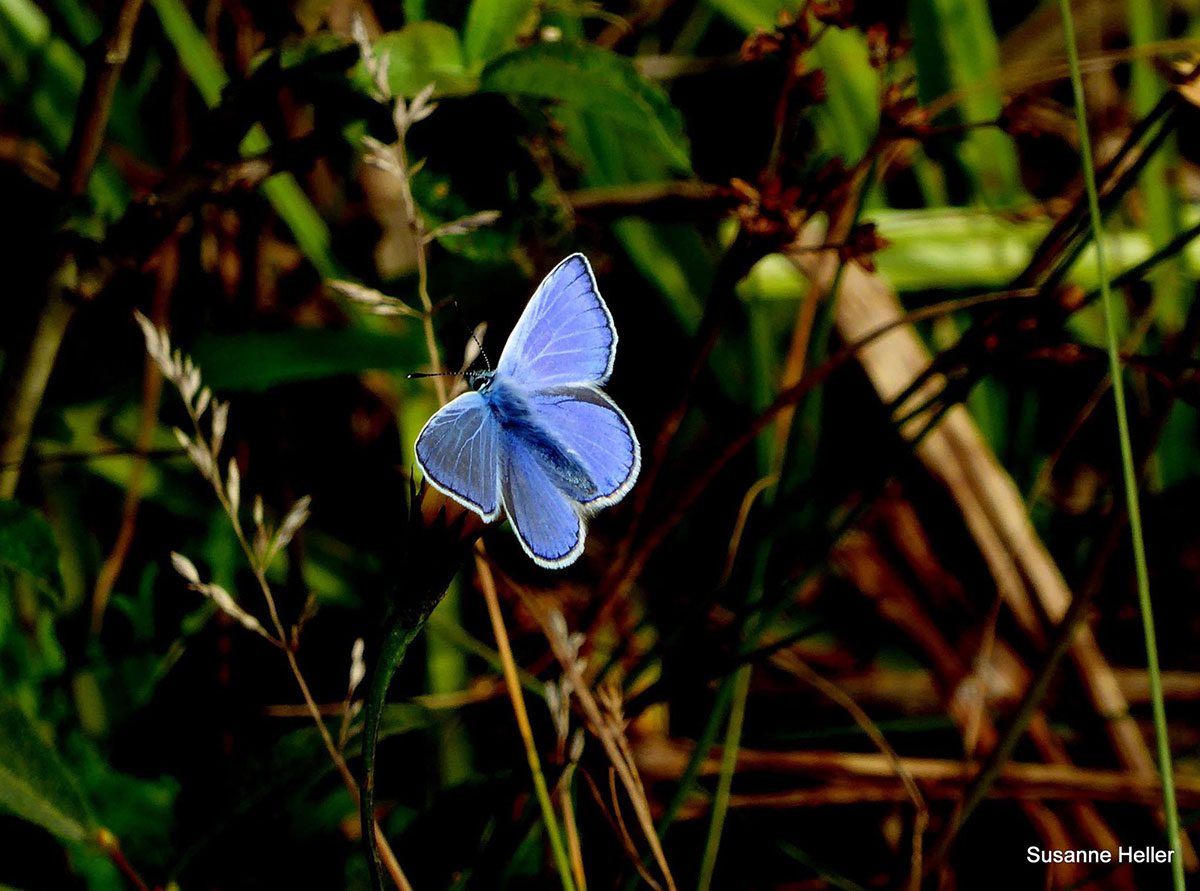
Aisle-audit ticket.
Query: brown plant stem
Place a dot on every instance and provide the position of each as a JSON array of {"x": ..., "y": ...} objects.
[
  {"x": 871, "y": 775},
  {"x": 152, "y": 381},
  {"x": 605, "y": 729},
  {"x": 25, "y": 385},
  {"x": 103, "y": 75},
  {"x": 111, "y": 845},
  {"x": 288, "y": 643},
  {"x": 1075, "y": 615},
  {"x": 997, "y": 518}
]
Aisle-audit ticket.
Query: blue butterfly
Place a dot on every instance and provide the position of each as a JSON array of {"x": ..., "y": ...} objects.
[{"x": 536, "y": 436}]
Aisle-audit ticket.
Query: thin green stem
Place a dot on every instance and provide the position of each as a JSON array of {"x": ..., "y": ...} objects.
[
  {"x": 1129, "y": 474},
  {"x": 729, "y": 753},
  {"x": 768, "y": 463}
]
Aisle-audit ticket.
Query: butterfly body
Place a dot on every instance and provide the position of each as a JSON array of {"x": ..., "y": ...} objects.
[
  {"x": 520, "y": 424},
  {"x": 536, "y": 436}
]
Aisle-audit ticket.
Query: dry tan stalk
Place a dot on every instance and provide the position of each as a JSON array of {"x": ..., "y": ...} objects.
[
  {"x": 998, "y": 671},
  {"x": 836, "y": 694},
  {"x": 912, "y": 691},
  {"x": 898, "y": 604},
  {"x": 571, "y": 827},
  {"x": 991, "y": 506},
  {"x": 941, "y": 778}
]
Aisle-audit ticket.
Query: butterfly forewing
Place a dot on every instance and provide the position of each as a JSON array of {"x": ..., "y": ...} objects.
[
  {"x": 459, "y": 453},
  {"x": 565, "y": 335}
]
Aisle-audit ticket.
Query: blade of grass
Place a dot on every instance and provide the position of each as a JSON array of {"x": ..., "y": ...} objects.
[
  {"x": 761, "y": 366},
  {"x": 958, "y": 49},
  {"x": 1128, "y": 473},
  {"x": 729, "y": 753}
]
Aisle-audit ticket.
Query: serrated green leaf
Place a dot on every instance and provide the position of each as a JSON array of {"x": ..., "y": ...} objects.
[
  {"x": 493, "y": 27},
  {"x": 256, "y": 361},
  {"x": 27, "y": 545},
  {"x": 603, "y": 86},
  {"x": 34, "y": 783}
]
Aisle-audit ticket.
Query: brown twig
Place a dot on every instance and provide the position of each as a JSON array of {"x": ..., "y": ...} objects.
[
  {"x": 941, "y": 778},
  {"x": 25, "y": 385},
  {"x": 152, "y": 381},
  {"x": 604, "y": 726},
  {"x": 652, "y": 199},
  {"x": 111, "y": 846},
  {"x": 571, "y": 826},
  {"x": 701, "y": 480},
  {"x": 618, "y": 829},
  {"x": 487, "y": 583},
  {"x": 995, "y": 515},
  {"x": 839, "y": 696},
  {"x": 99, "y": 89}
]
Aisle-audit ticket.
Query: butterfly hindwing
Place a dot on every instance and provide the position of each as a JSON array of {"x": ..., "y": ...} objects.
[
  {"x": 458, "y": 450},
  {"x": 566, "y": 333},
  {"x": 596, "y": 434},
  {"x": 547, "y": 522}
]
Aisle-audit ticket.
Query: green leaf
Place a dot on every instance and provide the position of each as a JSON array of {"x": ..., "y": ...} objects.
[
  {"x": 849, "y": 117},
  {"x": 493, "y": 26},
  {"x": 256, "y": 361},
  {"x": 27, "y": 545},
  {"x": 750, "y": 14},
  {"x": 603, "y": 86},
  {"x": 421, "y": 54},
  {"x": 34, "y": 783},
  {"x": 429, "y": 561}
]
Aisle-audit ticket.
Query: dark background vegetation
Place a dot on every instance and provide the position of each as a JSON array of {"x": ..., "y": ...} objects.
[{"x": 852, "y": 574}]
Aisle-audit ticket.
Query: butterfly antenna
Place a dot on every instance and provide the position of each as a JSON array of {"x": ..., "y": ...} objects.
[
  {"x": 416, "y": 374},
  {"x": 474, "y": 337}
]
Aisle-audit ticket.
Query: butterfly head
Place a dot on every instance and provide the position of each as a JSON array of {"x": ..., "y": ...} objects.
[{"x": 480, "y": 380}]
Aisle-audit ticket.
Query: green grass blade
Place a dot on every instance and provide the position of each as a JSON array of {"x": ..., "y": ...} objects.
[
  {"x": 958, "y": 43},
  {"x": 729, "y": 753},
  {"x": 1128, "y": 472}
]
